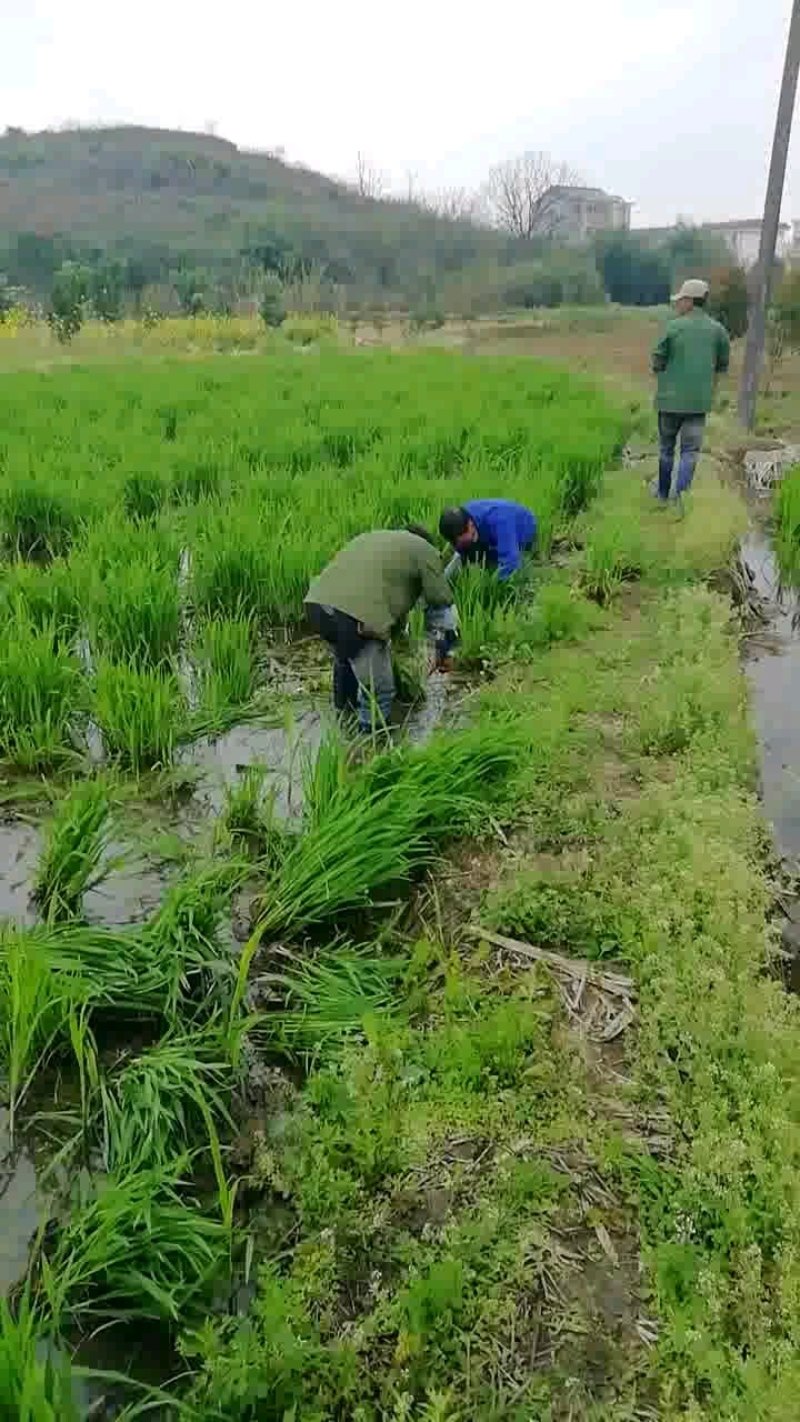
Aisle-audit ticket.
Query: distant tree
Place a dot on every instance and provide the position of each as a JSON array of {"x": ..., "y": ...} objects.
[
  {"x": 729, "y": 299},
  {"x": 6, "y": 297},
  {"x": 456, "y": 204},
  {"x": 190, "y": 288},
  {"x": 633, "y": 273},
  {"x": 517, "y": 192},
  {"x": 68, "y": 300},
  {"x": 786, "y": 305},
  {"x": 693, "y": 251},
  {"x": 136, "y": 281},
  {"x": 272, "y": 306},
  {"x": 370, "y": 182},
  {"x": 107, "y": 290}
]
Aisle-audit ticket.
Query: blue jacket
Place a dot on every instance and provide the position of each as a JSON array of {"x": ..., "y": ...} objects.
[{"x": 504, "y": 530}]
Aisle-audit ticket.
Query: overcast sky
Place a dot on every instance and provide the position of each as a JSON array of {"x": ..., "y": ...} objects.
[{"x": 670, "y": 104}]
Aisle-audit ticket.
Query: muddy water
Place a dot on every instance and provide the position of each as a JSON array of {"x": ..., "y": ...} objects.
[
  {"x": 21, "y": 1207},
  {"x": 19, "y": 851},
  {"x": 773, "y": 671}
]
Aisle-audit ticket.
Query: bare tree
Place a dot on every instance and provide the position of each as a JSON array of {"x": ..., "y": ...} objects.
[
  {"x": 456, "y": 204},
  {"x": 517, "y": 192},
  {"x": 370, "y": 182}
]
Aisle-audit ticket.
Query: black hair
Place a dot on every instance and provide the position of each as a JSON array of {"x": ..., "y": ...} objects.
[
  {"x": 419, "y": 531},
  {"x": 700, "y": 300},
  {"x": 453, "y": 523}
]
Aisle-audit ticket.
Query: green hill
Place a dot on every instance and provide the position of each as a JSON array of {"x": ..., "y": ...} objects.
[{"x": 157, "y": 204}]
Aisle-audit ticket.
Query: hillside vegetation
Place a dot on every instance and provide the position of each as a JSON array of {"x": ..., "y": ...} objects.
[{"x": 164, "y": 203}]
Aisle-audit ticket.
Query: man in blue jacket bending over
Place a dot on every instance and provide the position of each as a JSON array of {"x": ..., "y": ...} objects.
[{"x": 494, "y": 532}]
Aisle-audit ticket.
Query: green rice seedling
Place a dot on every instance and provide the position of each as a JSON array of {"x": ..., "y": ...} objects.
[
  {"x": 134, "y": 613},
  {"x": 35, "y": 1008},
  {"x": 249, "y": 822},
  {"x": 48, "y": 596},
  {"x": 41, "y": 693},
  {"x": 410, "y": 663},
  {"x": 613, "y": 555},
  {"x": 75, "y": 843},
  {"x": 136, "y": 1250},
  {"x": 38, "y": 519},
  {"x": 787, "y": 542},
  {"x": 186, "y": 936},
  {"x": 194, "y": 480},
  {"x": 487, "y": 612},
  {"x": 155, "y": 1107},
  {"x": 141, "y": 713},
  {"x": 225, "y": 666},
  {"x": 325, "y": 776},
  {"x": 329, "y": 997},
  {"x": 231, "y": 567},
  {"x": 144, "y": 496},
  {"x": 384, "y": 822},
  {"x": 36, "y": 1383}
]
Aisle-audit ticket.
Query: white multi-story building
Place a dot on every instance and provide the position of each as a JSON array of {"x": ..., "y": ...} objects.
[
  {"x": 743, "y": 239},
  {"x": 574, "y": 214}
]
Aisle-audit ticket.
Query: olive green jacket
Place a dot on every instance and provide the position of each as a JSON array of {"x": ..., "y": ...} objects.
[
  {"x": 378, "y": 577},
  {"x": 692, "y": 351}
]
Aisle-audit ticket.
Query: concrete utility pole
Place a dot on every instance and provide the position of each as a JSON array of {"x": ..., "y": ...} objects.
[{"x": 756, "y": 329}]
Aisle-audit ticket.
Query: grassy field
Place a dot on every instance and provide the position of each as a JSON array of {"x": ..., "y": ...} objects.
[{"x": 379, "y": 1156}]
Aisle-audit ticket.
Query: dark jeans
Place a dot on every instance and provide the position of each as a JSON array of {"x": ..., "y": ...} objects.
[
  {"x": 690, "y": 428},
  {"x": 363, "y": 679}
]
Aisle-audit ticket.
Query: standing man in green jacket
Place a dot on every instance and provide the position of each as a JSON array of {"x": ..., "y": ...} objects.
[
  {"x": 365, "y": 593},
  {"x": 693, "y": 350}
]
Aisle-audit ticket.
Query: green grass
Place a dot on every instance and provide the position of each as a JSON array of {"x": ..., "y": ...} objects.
[{"x": 134, "y": 614}]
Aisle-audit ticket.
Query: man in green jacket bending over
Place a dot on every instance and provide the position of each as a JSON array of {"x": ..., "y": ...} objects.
[
  {"x": 365, "y": 594},
  {"x": 693, "y": 350}
]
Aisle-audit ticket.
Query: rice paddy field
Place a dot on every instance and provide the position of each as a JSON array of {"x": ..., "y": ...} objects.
[{"x": 367, "y": 1081}]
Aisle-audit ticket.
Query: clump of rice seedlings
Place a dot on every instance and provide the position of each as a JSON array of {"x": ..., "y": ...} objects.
[
  {"x": 37, "y": 519},
  {"x": 329, "y": 997},
  {"x": 47, "y": 595},
  {"x": 384, "y": 822},
  {"x": 36, "y": 1383},
  {"x": 134, "y": 613},
  {"x": 225, "y": 666},
  {"x": 326, "y": 776},
  {"x": 231, "y": 568},
  {"x": 613, "y": 555},
  {"x": 156, "y": 1106},
  {"x": 195, "y": 480},
  {"x": 75, "y": 843},
  {"x": 186, "y": 939},
  {"x": 787, "y": 543},
  {"x": 41, "y": 693},
  {"x": 144, "y": 496},
  {"x": 410, "y": 663},
  {"x": 488, "y": 612},
  {"x": 248, "y": 821},
  {"x": 141, "y": 713},
  {"x": 136, "y": 1250},
  {"x": 35, "y": 1007}
]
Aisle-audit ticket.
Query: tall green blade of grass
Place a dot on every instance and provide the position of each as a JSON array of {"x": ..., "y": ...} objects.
[
  {"x": 75, "y": 842},
  {"x": 134, "y": 613},
  {"x": 225, "y": 666}
]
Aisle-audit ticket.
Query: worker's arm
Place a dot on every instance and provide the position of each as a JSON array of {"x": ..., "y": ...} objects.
[
  {"x": 436, "y": 590},
  {"x": 723, "y": 351},
  {"x": 453, "y": 568},
  {"x": 509, "y": 556},
  {"x": 660, "y": 357}
]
